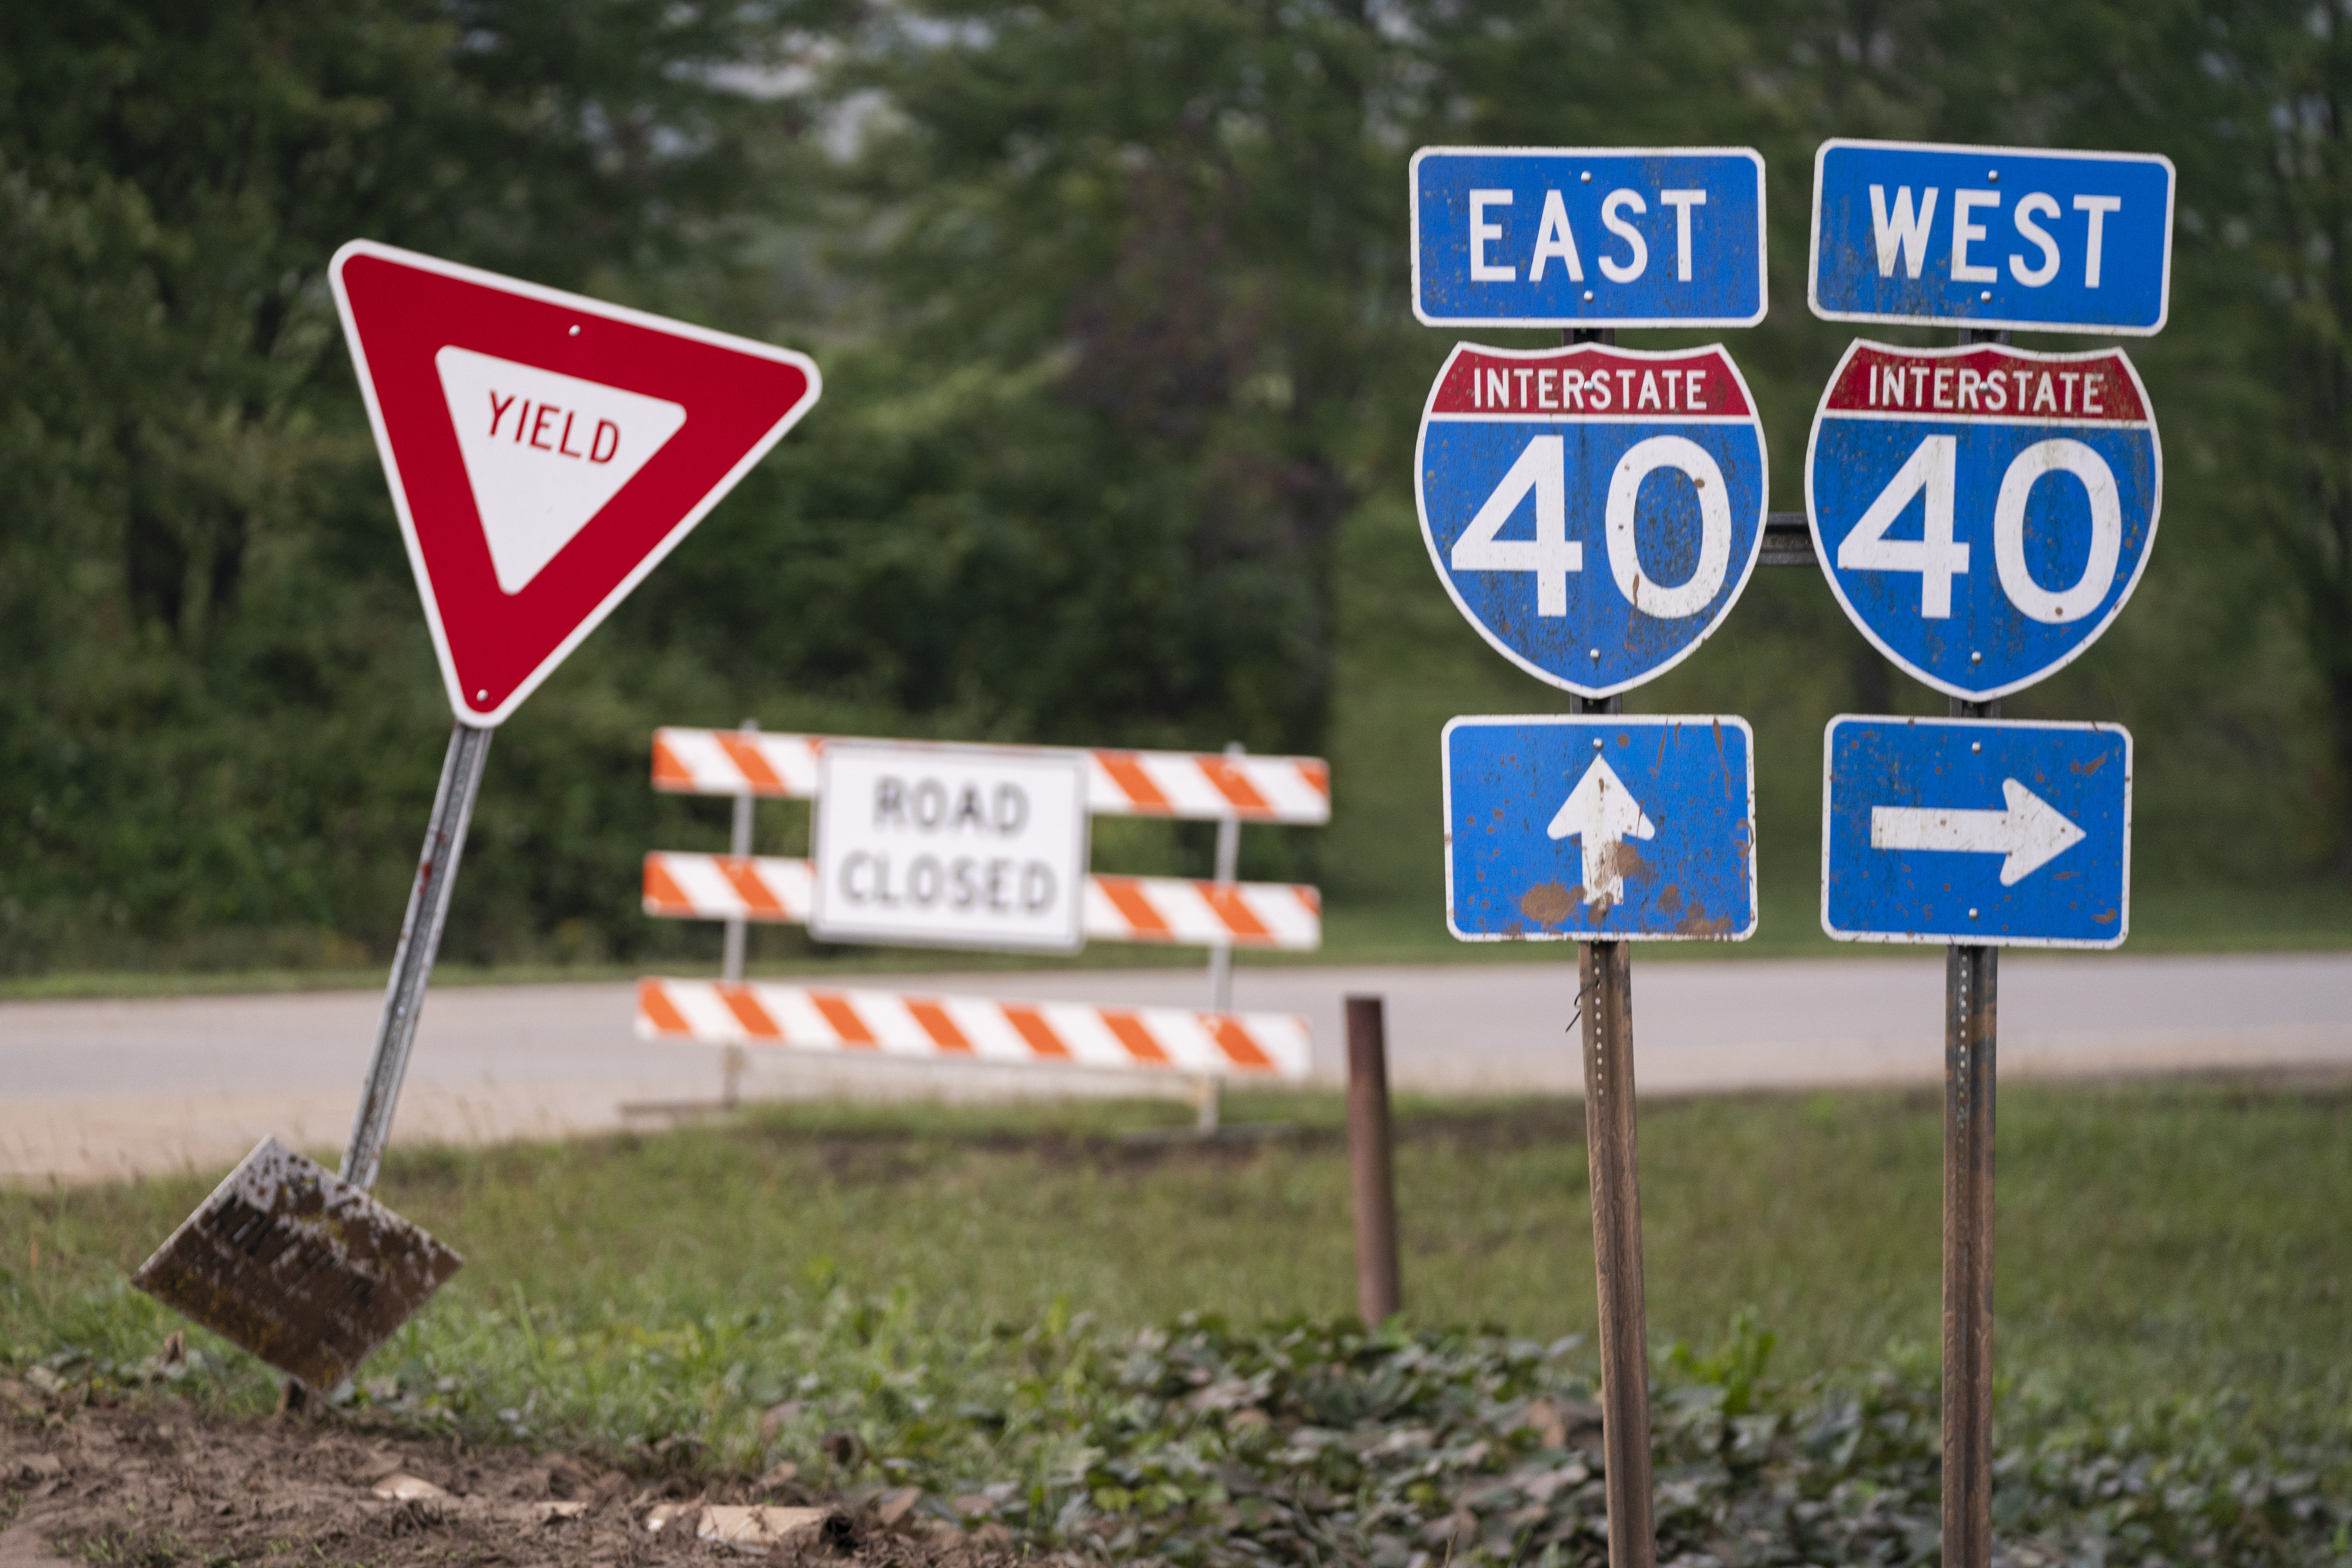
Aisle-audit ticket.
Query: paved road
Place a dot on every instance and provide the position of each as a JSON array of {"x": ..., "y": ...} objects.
[{"x": 95, "y": 1089}]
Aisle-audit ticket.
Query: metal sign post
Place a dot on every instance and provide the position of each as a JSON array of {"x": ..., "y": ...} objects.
[
  {"x": 1612, "y": 1160},
  {"x": 1594, "y": 513},
  {"x": 420, "y": 942},
  {"x": 544, "y": 451},
  {"x": 1981, "y": 514}
]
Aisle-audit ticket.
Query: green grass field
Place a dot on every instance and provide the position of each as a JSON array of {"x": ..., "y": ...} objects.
[
  {"x": 2178, "y": 1240},
  {"x": 1144, "y": 1350}
]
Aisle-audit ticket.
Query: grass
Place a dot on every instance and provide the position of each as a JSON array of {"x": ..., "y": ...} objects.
[
  {"x": 2188, "y": 1239},
  {"x": 1144, "y": 1352}
]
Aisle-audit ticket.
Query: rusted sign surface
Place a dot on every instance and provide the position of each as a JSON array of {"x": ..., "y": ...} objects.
[
  {"x": 1588, "y": 237},
  {"x": 1594, "y": 511},
  {"x": 2024, "y": 237},
  {"x": 296, "y": 1265},
  {"x": 2000, "y": 831},
  {"x": 1603, "y": 826},
  {"x": 1982, "y": 512}
]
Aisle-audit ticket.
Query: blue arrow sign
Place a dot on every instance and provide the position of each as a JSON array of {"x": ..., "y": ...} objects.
[
  {"x": 1601, "y": 827},
  {"x": 1594, "y": 512},
  {"x": 2005, "y": 833},
  {"x": 1991, "y": 236},
  {"x": 1567, "y": 236},
  {"x": 1982, "y": 512}
]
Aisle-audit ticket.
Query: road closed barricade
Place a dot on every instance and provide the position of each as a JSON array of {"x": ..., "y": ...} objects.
[{"x": 982, "y": 847}]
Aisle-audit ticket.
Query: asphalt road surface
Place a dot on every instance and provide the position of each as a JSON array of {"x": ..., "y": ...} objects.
[{"x": 95, "y": 1089}]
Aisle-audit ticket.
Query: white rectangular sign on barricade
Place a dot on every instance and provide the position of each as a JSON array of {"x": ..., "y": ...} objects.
[
  {"x": 777, "y": 890},
  {"x": 949, "y": 847}
]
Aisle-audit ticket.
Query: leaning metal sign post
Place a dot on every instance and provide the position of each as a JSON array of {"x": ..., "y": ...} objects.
[
  {"x": 1594, "y": 513},
  {"x": 544, "y": 452},
  {"x": 1981, "y": 513}
]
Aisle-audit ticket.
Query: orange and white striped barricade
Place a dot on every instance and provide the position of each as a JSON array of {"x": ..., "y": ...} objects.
[
  {"x": 1174, "y": 1040},
  {"x": 1176, "y": 910},
  {"x": 1229, "y": 788},
  {"x": 1199, "y": 786}
]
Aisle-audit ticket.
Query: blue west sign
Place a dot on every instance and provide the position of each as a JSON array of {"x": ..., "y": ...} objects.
[
  {"x": 1983, "y": 513},
  {"x": 1991, "y": 236},
  {"x": 1600, "y": 827},
  {"x": 1999, "y": 832},
  {"x": 1588, "y": 236},
  {"x": 1594, "y": 511}
]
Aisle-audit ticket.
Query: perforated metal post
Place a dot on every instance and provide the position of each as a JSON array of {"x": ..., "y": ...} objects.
[
  {"x": 1971, "y": 1018},
  {"x": 420, "y": 941},
  {"x": 1971, "y": 1014},
  {"x": 1605, "y": 973},
  {"x": 1605, "y": 994}
]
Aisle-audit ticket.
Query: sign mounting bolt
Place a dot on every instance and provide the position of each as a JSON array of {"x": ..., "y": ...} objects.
[
  {"x": 1976, "y": 658},
  {"x": 575, "y": 332},
  {"x": 1976, "y": 745}
]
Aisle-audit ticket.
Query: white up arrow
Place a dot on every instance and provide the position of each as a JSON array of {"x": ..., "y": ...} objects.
[
  {"x": 1603, "y": 812},
  {"x": 2032, "y": 832}
]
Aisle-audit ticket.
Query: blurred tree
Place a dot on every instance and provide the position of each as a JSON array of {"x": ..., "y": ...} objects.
[
  {"x": 204, "y": 615},
  {"x": 1134, "y": 279}
]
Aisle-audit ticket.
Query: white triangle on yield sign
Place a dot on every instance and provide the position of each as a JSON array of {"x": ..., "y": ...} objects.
[{"x": 544, "y": 452}]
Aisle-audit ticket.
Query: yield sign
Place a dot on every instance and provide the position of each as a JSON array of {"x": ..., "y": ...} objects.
[{"x": 544, "y": 451}]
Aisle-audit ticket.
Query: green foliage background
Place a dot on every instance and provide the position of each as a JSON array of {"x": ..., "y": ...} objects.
[{"x": 1121, "y": 385}]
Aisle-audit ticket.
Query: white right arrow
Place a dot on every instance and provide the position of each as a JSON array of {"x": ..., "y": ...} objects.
[
  {"x": 2032, "y": 832},
  {"x": 1603, "y": 812}
]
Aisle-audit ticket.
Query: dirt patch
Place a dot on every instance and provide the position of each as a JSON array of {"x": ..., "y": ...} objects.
[{"x": 157, "y": 1483}]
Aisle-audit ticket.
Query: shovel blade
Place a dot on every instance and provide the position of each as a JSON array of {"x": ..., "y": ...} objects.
[{"x": 290, "y": 1261}]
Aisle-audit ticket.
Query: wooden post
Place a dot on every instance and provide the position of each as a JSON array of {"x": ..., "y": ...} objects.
[
  {"x": 1370, "y": 1169},
  {"x": 1607, "y": 974}
]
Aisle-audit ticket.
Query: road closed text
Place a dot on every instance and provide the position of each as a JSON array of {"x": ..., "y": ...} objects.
[{"x": 951, "y": 847}]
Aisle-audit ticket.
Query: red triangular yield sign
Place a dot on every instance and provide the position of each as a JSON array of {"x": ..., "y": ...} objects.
[{"x": 544, "y": 451}]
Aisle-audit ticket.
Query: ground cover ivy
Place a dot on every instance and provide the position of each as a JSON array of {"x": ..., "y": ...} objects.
[{"x": 1205, "y": 1443}]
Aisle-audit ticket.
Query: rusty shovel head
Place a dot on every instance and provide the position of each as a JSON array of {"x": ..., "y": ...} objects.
[{"x": 290, "y": 1261}]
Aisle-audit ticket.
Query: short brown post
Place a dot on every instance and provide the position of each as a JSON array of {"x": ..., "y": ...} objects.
[
  {"x": 1607, "y": 973},
  {"x": 1370, "y": 1170}
]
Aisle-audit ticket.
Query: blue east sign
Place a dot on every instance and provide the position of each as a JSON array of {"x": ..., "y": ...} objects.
[
  {"x": 1588, "y": 237},
  {"x": 1982, "y": 512},
  {"x": 1991, "y": 236},
  {"x": 2001, "y": 833},
  {"x": 1601, "y": 827},
  {"x": 1594, "y": 512}
]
